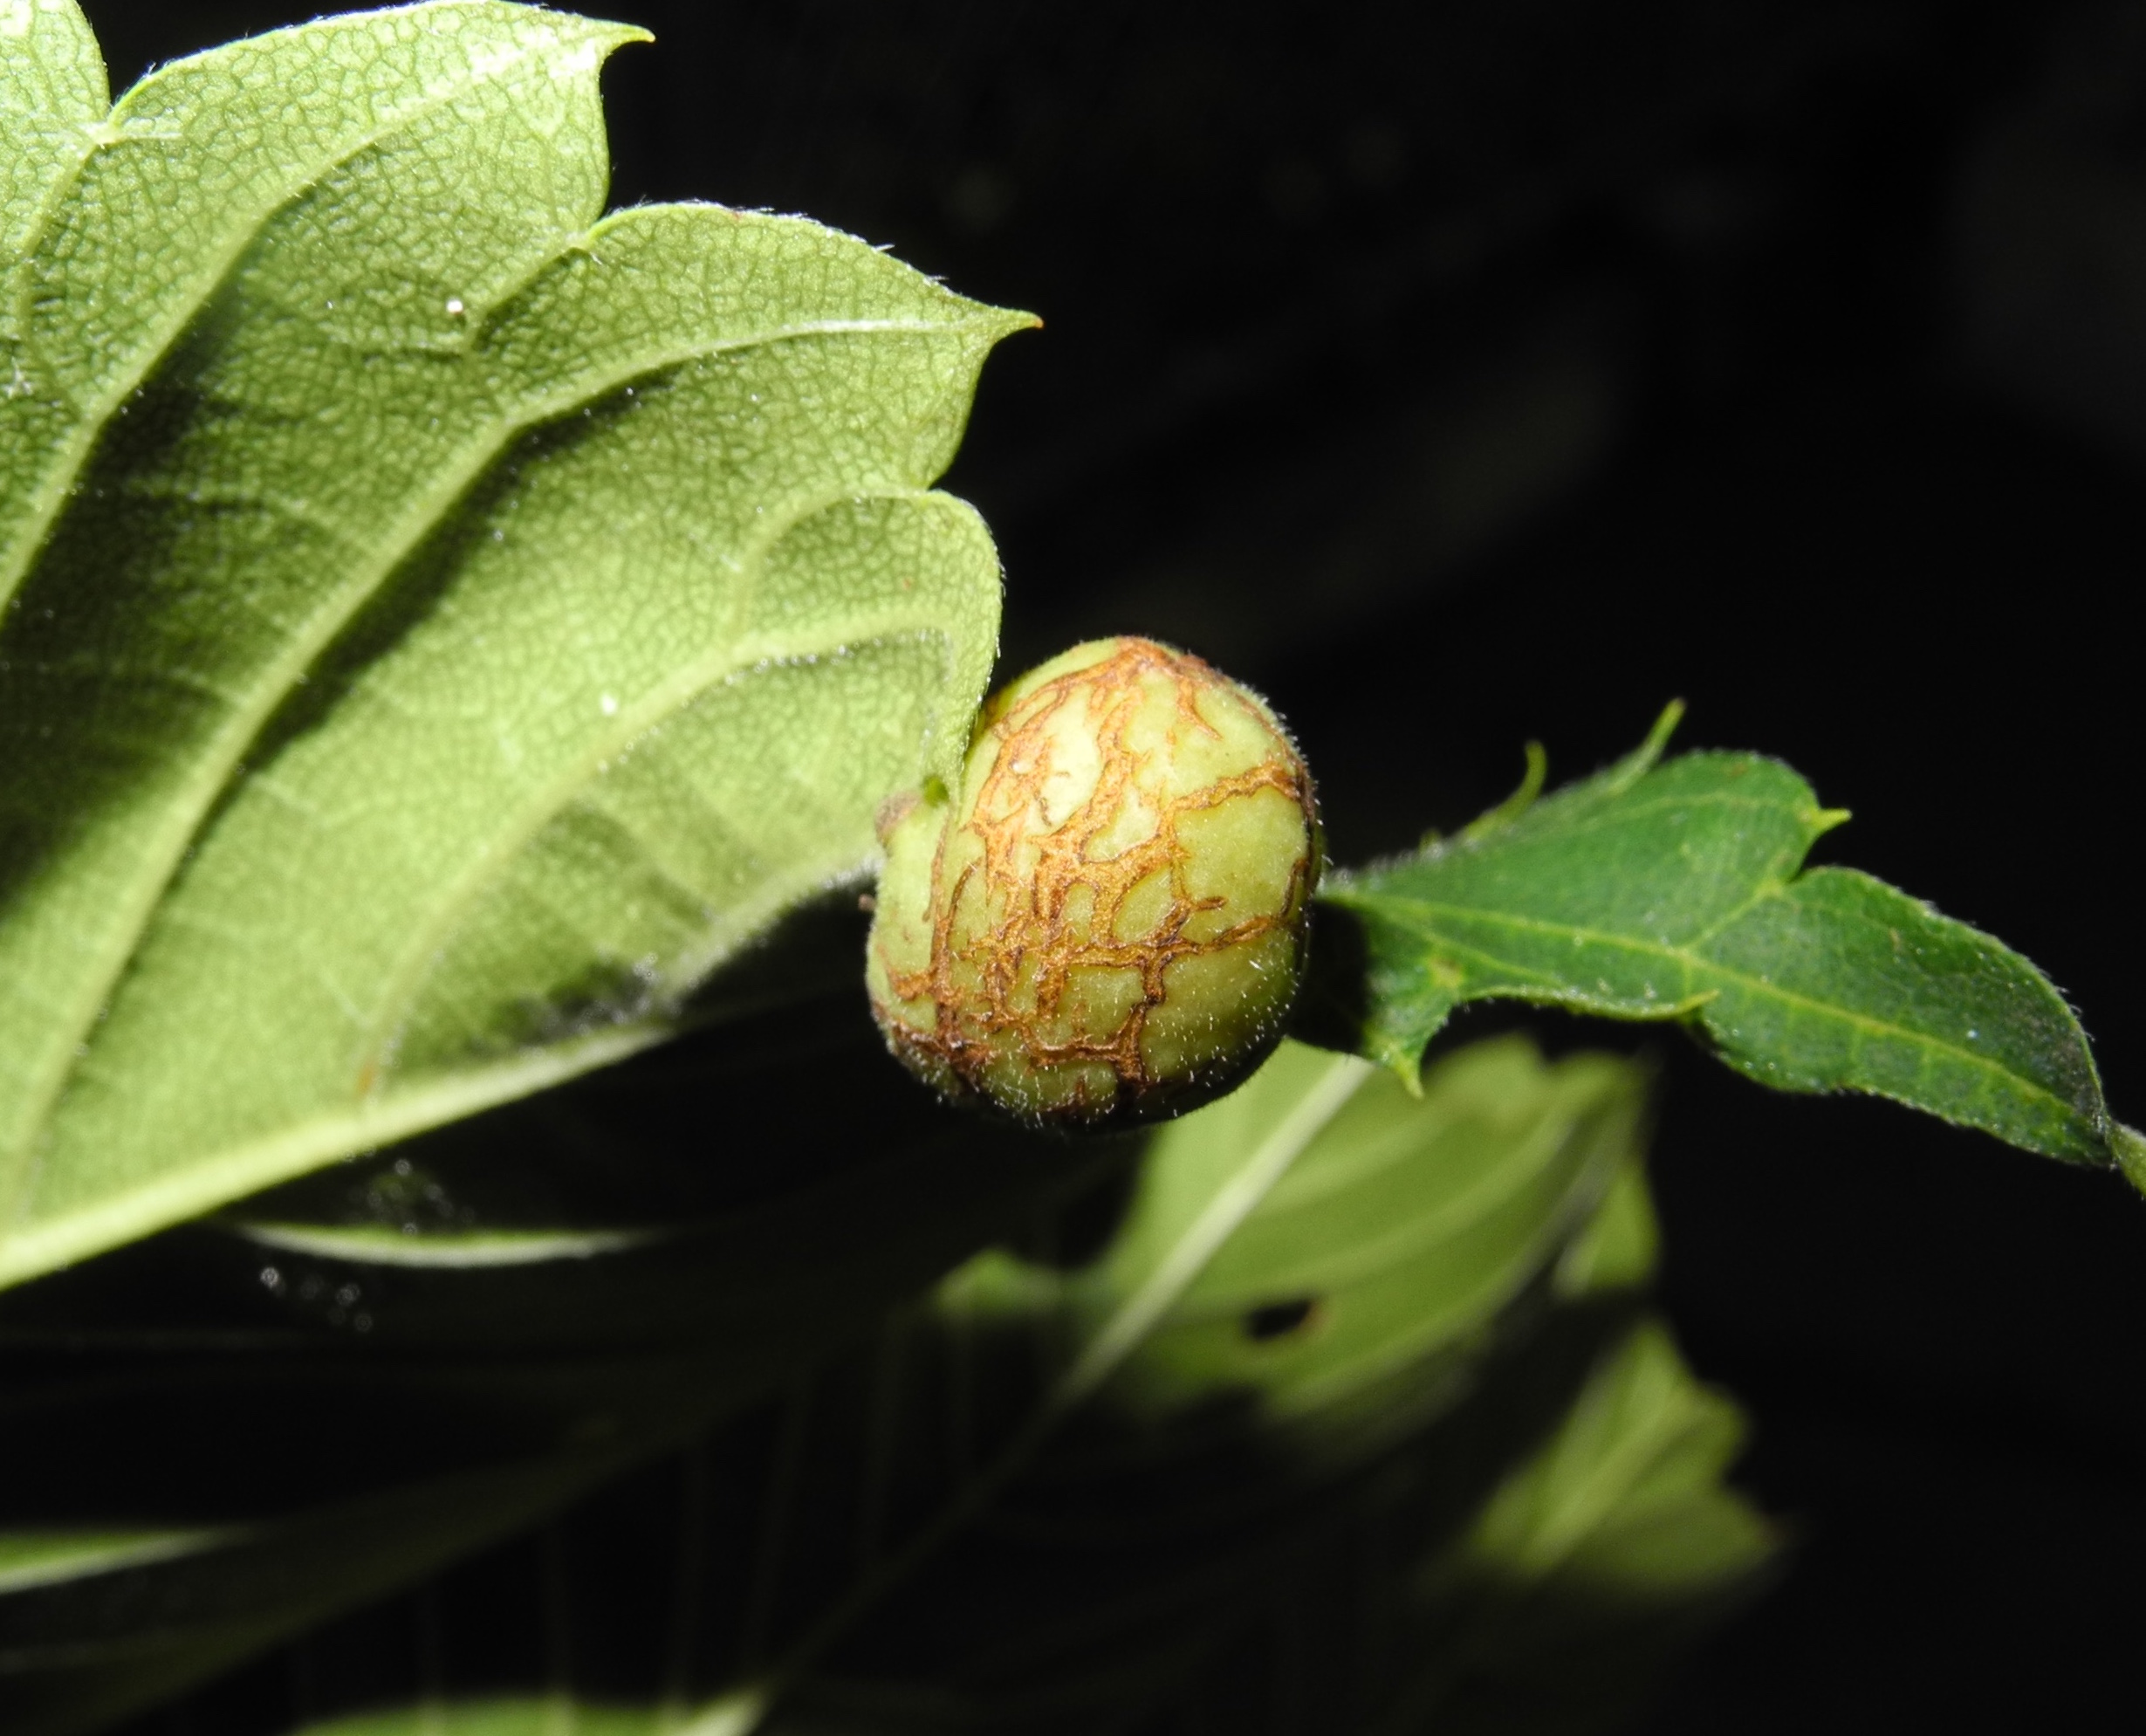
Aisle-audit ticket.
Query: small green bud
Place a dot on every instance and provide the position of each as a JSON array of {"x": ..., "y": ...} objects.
[{"x": 1106, "y": 923}]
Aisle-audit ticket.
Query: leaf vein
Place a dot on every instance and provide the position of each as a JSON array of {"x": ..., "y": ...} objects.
[{"x": 1862, "y": 1025}]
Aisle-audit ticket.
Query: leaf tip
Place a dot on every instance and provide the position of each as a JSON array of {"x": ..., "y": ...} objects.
[
  {"x": 605, "y": 37},
  {"x": 1514, "y": 805},
  {"x": 1823, "y": 820},
  {"x": 1643, "y": 758},
  {"x": 1664, "y": 727},
  {"x": 2128, "y": 1146}
]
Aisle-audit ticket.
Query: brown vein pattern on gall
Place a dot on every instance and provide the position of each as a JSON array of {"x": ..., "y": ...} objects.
[{"x": 1106, "y": 923}]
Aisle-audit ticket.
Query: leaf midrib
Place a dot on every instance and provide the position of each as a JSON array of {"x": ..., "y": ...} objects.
[{"x": 1757, "y": 985}]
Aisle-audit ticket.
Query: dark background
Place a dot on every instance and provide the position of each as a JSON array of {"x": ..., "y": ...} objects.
[{"x": 1464, "y": 374}]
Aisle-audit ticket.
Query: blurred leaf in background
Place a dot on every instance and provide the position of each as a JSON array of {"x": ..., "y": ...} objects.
[{"x": 1342, "y": 1410}]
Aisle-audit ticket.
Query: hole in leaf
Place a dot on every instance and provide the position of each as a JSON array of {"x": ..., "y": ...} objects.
[{"x": 1278, "y": 1320}]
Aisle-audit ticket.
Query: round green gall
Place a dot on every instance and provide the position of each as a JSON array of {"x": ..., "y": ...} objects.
[{"x": 1106, "y": 923}]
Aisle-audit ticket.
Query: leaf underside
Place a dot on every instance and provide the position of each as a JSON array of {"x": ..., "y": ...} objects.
[
  {"x": 1678, "y": 890},
  {"x": 439, "y": 624}
]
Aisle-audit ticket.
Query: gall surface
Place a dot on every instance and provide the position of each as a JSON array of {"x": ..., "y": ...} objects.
[{"x": 1106, "y": 923}]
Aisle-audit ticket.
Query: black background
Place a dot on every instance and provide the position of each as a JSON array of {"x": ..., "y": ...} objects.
[{"x": 1464, "y": 374}]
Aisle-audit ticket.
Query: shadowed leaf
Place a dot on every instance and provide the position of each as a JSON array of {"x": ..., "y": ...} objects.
[
  {"x": 1352, "y": 1414},
  {"x": 233, "y": 1430}
]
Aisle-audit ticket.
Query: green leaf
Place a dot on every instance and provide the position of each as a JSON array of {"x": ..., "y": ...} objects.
[
  {"x": 29, "y": 1559},
  {"x": 1592, "y": 1560},
  {"x": 445, "y": 625},
  {"x": 106, "y": 1632},
  {"x": 1264, "y": 1457},
  {"x": 1404, "y": 1230},
  {"x": 507, "y": 1715},
  {"x": 1676, "y": 890},
  {"x": 53, "y": 97}
]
